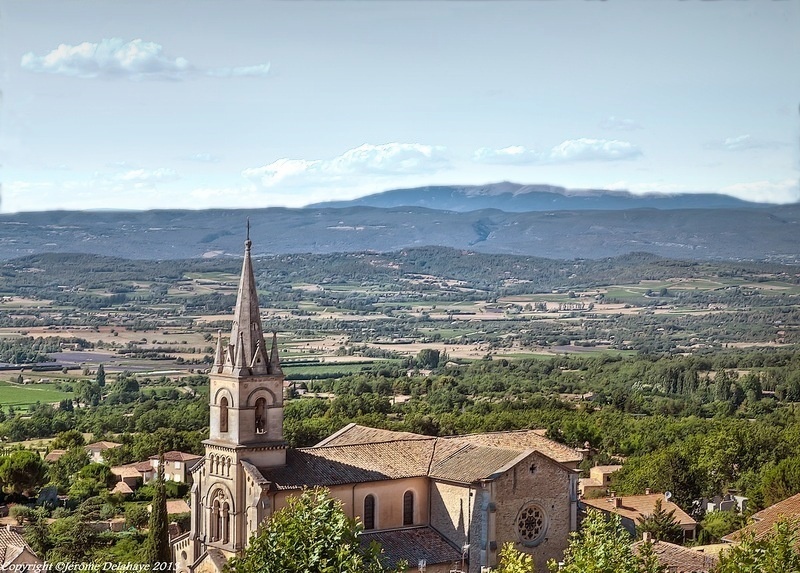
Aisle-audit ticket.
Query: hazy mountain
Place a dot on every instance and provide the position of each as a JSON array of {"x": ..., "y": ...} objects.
[
  {"x": 769, "y": 233},
  {"x": 513, "y": 197}
]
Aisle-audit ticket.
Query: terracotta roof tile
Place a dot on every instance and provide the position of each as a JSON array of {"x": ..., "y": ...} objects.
[
  {"x": 102, "y": 445},
  {"x": 634, "y": 507},
  {"x": 521, "y": 440},
  {"x": 764, "y": 521},
  {"x": 335, "y": 465},
  {"x": 679, "y": 559},
  {"x": 470, "y": 463},
  {"x": 176, "y": 456},
  {"x": 12, "y": 545},
  {"x": 412, "y": 545},
  {"x": 355, "y": 434},
  {"x": 358, "y": 454},
  {"x": 54, "y": 455}
]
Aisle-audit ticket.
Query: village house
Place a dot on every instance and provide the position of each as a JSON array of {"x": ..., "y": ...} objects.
[
  {"x": 451, "y": 502},
  {"x": 15, "y": 553},
  {"x": 763, "y": 522},
  {"x": 96, "y": 450},
  {"x": 598, "y": 482},
  {"x": 633, "y": 508}
]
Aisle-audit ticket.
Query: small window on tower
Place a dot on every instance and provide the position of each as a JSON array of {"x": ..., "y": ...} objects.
[
  {"x": 261, "y": 416},
  {"x": 223, "y": 415}
]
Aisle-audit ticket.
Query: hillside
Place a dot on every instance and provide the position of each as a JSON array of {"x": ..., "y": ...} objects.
[
  {"x": 768, "y": 233},
  {"x": 513, "y": 197}
]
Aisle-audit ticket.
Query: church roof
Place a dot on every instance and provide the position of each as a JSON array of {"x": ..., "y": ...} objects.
[
  {"x": 358, "y": 454},
  {"x": 354, "y": 463},
  {"x": 522, "y": 440},
  {"x": 412, "y": 545}
]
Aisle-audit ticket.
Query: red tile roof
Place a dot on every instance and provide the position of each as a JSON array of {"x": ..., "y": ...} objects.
[
  {"x": 764, "y": 521},
  {"x": 176, "y": 456},
  {"x": 634, "y": 507},
  {"x": 412, "y": 545},
  {"x": 679, "y": 559}
]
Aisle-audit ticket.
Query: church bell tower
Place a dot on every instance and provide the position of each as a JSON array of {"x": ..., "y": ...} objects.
[{"x": 229, "y": 498}]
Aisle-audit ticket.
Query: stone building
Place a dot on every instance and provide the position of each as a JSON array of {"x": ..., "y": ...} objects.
[{"x": 450, "y": 501}]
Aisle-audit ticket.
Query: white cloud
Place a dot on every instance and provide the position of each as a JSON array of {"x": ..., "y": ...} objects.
[
  {"x": 112, "y": 57},
  {"x": 785, "y": 191},
  {"x": 365, "y": 160},
  {"x": 511, "y": 155},
  {"x": 258, "y": 71},
  {"x": 116, "y": 58},
  {"x": 160, "y": 175},
  {"x": 203, "y": 158},
  {"x": 614, "y": 123},
  {"x": 571, "y": 150},
  {"x": 747, "y": 141}
]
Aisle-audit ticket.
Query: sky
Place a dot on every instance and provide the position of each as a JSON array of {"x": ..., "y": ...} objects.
[{"x": 205, "y": 103}]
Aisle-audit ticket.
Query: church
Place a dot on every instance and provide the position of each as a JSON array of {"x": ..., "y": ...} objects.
[{"x": 437, "y": 503}]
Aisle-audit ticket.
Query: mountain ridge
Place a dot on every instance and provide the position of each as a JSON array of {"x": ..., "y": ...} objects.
[
  {"x": 765, "y": 233},
  {"x": 515, "y": 197}
]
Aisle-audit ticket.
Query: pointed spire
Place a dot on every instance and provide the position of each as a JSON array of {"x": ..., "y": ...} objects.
[
  {"x": 274, "y": 360},
  {"x": 247, "y": 350},
  {"x": 219, "y": 357}
]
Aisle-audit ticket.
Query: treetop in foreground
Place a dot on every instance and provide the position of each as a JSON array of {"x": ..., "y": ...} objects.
[{"x": 312, "y": 533}]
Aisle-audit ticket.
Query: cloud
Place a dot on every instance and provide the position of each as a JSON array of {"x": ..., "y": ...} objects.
[
  {"x": 743, "y": 142},
  {"x": 203, "y": 158},
  {"x": 150, "y": 176},
  {"x": 785, "y": 191},
  {"x": 373, "y": 160},
  {"x": 258, "y": 71},
  {"x": 614, "y": 123},
  {"x": 569, "y": 151},
  {"x": 511, "y": 155},
  {"x": 136, "y": 60}
]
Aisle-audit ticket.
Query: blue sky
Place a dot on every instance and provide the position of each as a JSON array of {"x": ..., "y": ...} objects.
[{"x": 203, "y": 103}]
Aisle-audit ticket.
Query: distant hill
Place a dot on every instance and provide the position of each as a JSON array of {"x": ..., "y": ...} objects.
[
  {"x": 515, "y": 198},
  {"x": 763, "y": 233}
]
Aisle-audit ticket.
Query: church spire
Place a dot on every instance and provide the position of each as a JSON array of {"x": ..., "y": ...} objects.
[{"x": 247, "y": 337}]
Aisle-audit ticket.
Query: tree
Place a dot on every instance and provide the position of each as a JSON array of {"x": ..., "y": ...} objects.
[
  {"x": 312, "y": 533},
  {"x": 428, "y": 358},
  {"x": 514, "y": 561},
  {"x": 69, "y": 439},
  {"x": 157, "y": 549},
  {"x": 603, "y": 546},
  {"x": 100, "y": 376},
  {"x": 661, "y": 524},
  {"x": 22, "y": 471},
  {"x": 774, "y": 553}
]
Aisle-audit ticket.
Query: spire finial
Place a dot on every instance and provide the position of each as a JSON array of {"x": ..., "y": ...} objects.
[{"x": 248, "y": 242}]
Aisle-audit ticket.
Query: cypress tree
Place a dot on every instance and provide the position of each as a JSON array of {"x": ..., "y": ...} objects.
[{"x": 157, "y": 548}]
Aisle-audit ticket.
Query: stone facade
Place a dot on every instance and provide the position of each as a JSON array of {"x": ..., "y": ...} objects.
[{"x": 452, "y": 502}]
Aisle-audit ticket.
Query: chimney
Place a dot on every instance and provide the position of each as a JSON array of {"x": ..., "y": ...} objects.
[
  {"x": 617, "y": 502},
  {"x": 647, "y": 537},
  {"x": 647, "y": 491}
]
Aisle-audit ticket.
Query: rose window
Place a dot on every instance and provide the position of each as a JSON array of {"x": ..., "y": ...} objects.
[{"x": 531, "y": 524}]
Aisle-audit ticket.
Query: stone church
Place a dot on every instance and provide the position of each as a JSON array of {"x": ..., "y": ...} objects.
[{"x": 446, "y": 503}]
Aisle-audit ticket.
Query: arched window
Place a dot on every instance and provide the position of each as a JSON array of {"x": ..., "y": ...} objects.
[
  {"x": 369, "y": 512},
  {"x": 261, "y": 415},
  {"x": 226, "y": 523},
  {"x": 223, "y": 415},
  {"x": 408, "y": 508},
  {"x": 216, "y": 521}
]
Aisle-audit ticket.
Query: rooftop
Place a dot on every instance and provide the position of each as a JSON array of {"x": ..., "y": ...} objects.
[
  {"x": 412, "y": 545},
  {"x": 634, "y": 507},
  {"x": 764, "y": 521},
  {"x": 678, "y": 559}
]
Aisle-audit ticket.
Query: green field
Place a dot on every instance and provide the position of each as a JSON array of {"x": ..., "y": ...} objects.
[{"x": 17, "y": 395}]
